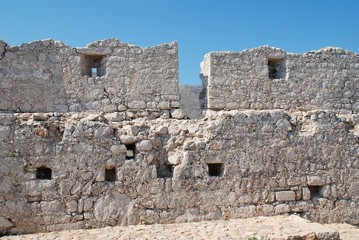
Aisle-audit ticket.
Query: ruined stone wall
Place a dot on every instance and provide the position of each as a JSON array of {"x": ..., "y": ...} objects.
[
  {"x": 64, "y": 170},
  {"x": 110, "y": 150},
  {"x": 270, "y": 78},
  {"x": 48, "y": 76}
]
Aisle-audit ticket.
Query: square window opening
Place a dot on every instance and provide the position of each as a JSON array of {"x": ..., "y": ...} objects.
[
  {"x": 110, "y": 174},
  {"x": 276, "y": 68},
  {"x": 165, "y": 171},
  {"x": 43, "y": 173},
  {"x": 315, "y": 191},
  {"x": 215, "y": 169},
  {"x": 93, "y": 65},
  {"x": 131, "y": 151}
]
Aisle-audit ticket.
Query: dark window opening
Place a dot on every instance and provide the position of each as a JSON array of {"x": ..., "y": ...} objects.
[
  {"x": 93, "y": 65},
  {"x": 110, "y": 174},
  {"x": 43, "y": 173},
  {"x": 215, "y": 169},
  {"x": 131, "y": 151},
  {"x": 315, "y": 191},
  {"x": 276, "y": 68},
  {"x": 165, "y": 171}
]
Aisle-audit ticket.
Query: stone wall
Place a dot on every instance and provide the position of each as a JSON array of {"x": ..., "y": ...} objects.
[
  {"x": 270, "y": 78},
  {"x": 108, "y": 76},
  {"x": 82, "y": 170},
  {"x": 189, "y": 101},
  {"x": 112, "y": 149}
]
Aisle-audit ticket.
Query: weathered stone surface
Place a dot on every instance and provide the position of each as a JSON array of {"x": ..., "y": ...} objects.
[
  {"x": 144, "y": 145},
  {"x": 118, "y": 149},
  {"x": 178, "y": 114},
  {"x": 242, "y": 80},
  {"x": 56, "y": 77},
  {"x": 284, "y": 196},
  {"x": 5, "y": 224},
  {"x": 148, "y": 164}
]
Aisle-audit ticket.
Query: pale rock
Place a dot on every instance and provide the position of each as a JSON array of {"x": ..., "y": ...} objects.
[
  {"x": 144, "y": 145},
  {"x": 118, "y": 149},
  {"x": 315, "y": 181},
  {"x": 178, "y": 114}
]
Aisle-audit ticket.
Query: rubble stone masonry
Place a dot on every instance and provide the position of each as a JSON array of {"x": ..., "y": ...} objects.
[{"x": 94, "y": 136}]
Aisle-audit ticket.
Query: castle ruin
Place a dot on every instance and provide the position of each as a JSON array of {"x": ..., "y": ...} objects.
[{"x": 94, "y": 136}]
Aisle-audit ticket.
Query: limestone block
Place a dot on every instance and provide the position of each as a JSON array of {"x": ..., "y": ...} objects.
[
  {"x": 164, "y": 105},
  {"x": 161, "y": 130},
  {"x": 282, "y": 208},
  {"x": 315, "y": 181},
  {"x": 178, "y": 114},
  {"x": 306, "y": 193},
  {"x": 128, "y": 139},
  {"x": 121, "y": 108},
  {"x": 173, "y": 158},
  {"x": 110, "y": 206},
  {"x": 130, "y": 153},
  {"x": 5, "y": 224},
  {"x": 115, "y": 117},
  {"x": 72, "y": 206},
  {"x": 118, "y": 149},
  {"x": 88, "y": 203},
  {"x": 144, "y": 145},
  {"x": 284, "y": 196},
  {"x": 245, "y": 199},
  {"x": 232, "y": 197},
  {"x": 137, "y": 105}
]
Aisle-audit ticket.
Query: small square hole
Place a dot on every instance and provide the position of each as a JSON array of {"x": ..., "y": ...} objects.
[
  {"x": 215, "y": 169},
  {"x": 131, "y": 151},
  {"x": 315, "y": 191},
  {"x": 276, "y": 68},
  {"x": 110, "y": 174},
  {"x": 165, "y": 171},
  {"x": 43, "y": 173}
]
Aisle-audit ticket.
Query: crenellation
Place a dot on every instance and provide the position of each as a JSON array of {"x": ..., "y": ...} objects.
[{"x": 96, "y": 136}]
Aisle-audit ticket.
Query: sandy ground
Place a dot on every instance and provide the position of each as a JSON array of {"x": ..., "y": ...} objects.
[{"x": 260, "y": 228}]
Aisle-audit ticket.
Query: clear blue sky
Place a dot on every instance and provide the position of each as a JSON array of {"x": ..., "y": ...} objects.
[{"x": 199, "y": 26}]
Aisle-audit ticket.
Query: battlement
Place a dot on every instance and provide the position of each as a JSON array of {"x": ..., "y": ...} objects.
[
  {"x": 107, "y": 76},
  {"x": 270, "y": 78}
]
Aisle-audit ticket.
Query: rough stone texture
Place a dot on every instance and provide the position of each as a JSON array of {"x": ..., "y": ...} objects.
[
  {"x": 261, "y": 228},
  {"x": 68, "y": 170},
  {"x": 323, "y": 79},
  {"x": 190, "y": 100},
  {"x": 48, "y": 76},
  {"x": 166, "y": 178}
]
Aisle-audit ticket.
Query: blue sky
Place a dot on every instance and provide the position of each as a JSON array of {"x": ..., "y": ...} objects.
[{"x": 199, "y": 26}]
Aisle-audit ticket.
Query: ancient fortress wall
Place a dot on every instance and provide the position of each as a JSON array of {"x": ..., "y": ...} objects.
[
  {"x": 91, "y": 165},
  {"x": 270, "y": 78},
  {"x": 48, "y": 76}
]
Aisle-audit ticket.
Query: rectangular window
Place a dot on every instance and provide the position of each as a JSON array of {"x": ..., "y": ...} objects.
[
  {"x": 215, "y": 169},
  {"x": 276, "y": 68}
]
